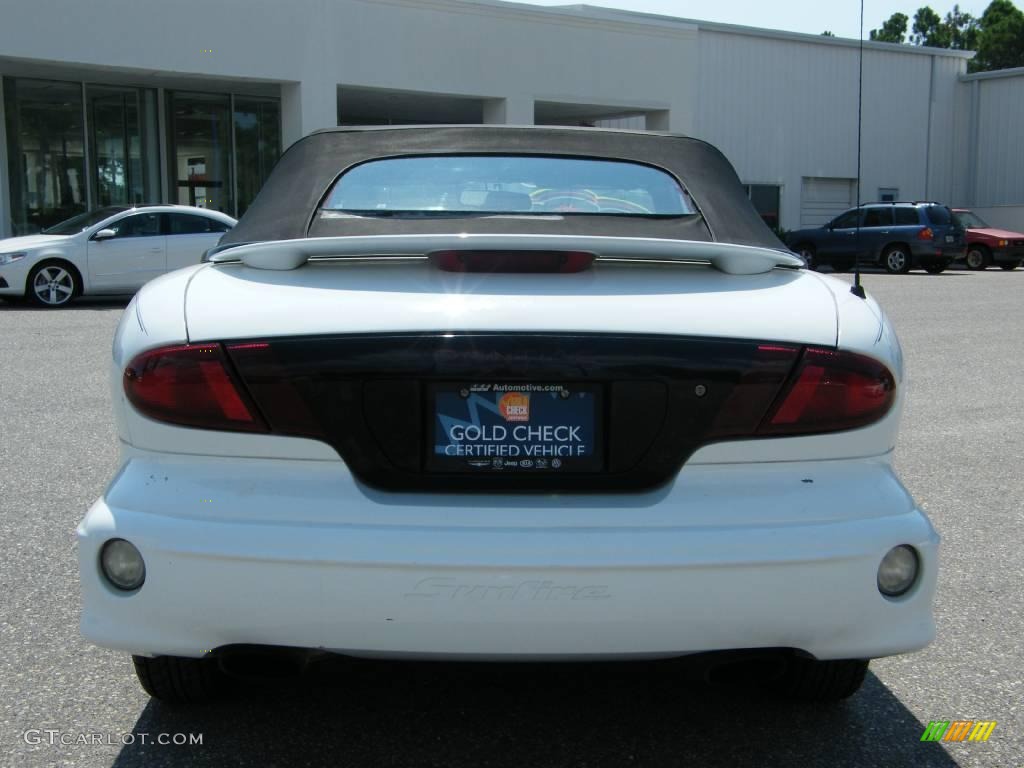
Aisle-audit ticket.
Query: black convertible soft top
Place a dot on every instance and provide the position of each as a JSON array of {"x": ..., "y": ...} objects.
[{"x": 287, "y": 206}]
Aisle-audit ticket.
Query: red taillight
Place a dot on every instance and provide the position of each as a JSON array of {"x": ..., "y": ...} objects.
[
  {"x": 926, "y": 234},
  {"x": 190, "y": 385},
  {"x": 512, "y": 261},
  {"x": 832, "y": 391}
]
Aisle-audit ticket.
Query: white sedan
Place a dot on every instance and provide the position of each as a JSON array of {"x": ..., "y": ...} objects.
[
  {"x": 493, "y": 393},
  {"x": 113, "y": 250}
]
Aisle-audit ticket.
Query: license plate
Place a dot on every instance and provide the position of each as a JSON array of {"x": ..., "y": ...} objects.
[
  {"x": 515, "y": 428},
  {"x": 950, "y": 239}
]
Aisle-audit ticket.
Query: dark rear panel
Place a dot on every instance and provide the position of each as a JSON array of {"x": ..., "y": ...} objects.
[{"x": 655, "y": 400}]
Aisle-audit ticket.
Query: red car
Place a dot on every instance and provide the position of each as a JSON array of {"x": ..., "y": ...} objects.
[{"x": 988, "y": 245}]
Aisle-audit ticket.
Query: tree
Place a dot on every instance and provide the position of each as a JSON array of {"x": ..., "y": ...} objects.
[
  {"x": 1000, "y": 39},
  {"x": 963, "y": 30},
  {"x": 929, "y": 30},
  {"x": 892, "y": 31},
  {"x": 827, "y": 33},
  {"x": 998, "y": 36}
]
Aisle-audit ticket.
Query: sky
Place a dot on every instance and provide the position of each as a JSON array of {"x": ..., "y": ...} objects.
[{"x": 842, "y": 17}]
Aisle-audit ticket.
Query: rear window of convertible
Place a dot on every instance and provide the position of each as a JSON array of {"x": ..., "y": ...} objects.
[{"x": 442, "y": 185}]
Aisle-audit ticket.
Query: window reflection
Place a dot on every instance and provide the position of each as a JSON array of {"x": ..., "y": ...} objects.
[{"x": 46, "y": 152}]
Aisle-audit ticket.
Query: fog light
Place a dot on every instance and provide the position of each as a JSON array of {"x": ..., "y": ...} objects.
[
  {"x": 122, "y": 564},
  {"x": 898, "y": 570}
]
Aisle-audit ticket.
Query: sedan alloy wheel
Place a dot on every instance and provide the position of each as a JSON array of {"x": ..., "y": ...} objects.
[{"x": 52, "y": 285}]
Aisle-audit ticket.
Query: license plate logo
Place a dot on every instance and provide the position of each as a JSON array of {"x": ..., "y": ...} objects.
[{"x": 515, "y": 406}]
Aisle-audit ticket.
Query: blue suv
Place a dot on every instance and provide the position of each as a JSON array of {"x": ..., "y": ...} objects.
[{"x": 897, "y": 236}]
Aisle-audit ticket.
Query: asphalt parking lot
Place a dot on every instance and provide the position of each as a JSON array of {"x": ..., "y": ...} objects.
[{"x": 961, "y": 455}]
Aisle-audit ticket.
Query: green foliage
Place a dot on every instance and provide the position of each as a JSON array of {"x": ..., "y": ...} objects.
[
  {"x": 893, "y": 30},
  {"x": 929, "y": 30},
  {"x": 827, "y": 33},
  {"x": 998, "y": 36},
  {"x": 1000, "y": 43}
]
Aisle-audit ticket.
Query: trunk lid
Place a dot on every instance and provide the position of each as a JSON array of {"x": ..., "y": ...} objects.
[{"x": 233, "y": 301}]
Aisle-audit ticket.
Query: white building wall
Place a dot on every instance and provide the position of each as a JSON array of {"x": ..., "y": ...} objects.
[
  {"x": 489, "y": 50},
  {"x": 783, "y": 109},
  {"x": 999, "y": 158}
]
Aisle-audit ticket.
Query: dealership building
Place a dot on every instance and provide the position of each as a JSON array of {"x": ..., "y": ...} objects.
[{"x": 116, "y": 103}]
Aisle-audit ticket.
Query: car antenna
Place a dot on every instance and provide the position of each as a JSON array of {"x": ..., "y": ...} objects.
[{"x": 858, "y": 289}]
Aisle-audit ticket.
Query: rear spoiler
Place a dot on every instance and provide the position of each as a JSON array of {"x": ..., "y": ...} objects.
[{"x": 291, "y": 254}]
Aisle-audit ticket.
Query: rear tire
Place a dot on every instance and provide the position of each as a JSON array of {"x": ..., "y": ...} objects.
[
  {"x": 1010, "y": 266},
  {"x": 896, "y": 260},
  {"x": 821, "y": 681},
  {"x": 978, "y": 257},
  {"x": 179, "y": 681}
]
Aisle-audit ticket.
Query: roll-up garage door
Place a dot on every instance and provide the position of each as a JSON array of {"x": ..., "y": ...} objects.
[{"x": 822, "y": 199}]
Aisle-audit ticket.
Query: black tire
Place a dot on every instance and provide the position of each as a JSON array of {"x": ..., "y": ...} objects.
[
  {"x": 1010, "y": 266},
  {"x": 65, "y": 285},
  {"x": 978, "y": 257},
  {"x": 179, "y": 681},
  {"x": 821, "y": 681},
  {"x": 935, "y": 269},
  {"x": 809, "y": 255},
  {"x": 896, "y": 259}
]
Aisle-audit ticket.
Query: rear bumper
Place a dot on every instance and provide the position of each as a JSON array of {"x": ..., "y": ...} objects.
[
  {"x": 296, "y": 554},
  {"x": 929, "y": 253}
]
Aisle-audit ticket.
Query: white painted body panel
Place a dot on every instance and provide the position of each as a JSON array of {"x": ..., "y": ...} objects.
[
  {"x": 300, "y": 554},
  {"x": 229, "y": 301}
]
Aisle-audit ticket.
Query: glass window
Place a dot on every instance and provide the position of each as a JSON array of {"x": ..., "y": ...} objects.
[
  {"x": 888, "y": 194},
  {"x": 139, "y": 225},
  {"x": 878, "y": 217},
  {"x": 511, "y": 184},
  {"x": 46, "y": 152},
  {"x": 940, "y": 215},
  {"x": 907, "y": 217},
  {"x": 257, "y": 145},
  {"x": 188, "y": 224},
  {"x": 847, "y": 220},
  {"x": 116, "y": 146},
  {"x": 969, "y": 219},
  {"x": 200, "y": 138},
  {"x": 76, "y": 224},
  {"x": 765, "y": 198}
]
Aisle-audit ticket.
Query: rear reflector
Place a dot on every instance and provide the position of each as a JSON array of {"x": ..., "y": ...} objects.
[
  {"x": 512, "y": 261},
  {"x": 831, "y": 391},
  {"x": 190, "y": 385}
]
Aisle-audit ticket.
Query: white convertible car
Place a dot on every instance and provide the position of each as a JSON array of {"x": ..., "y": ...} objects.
[
  {"x": 493, "y": 393},
  {"x": 112, "y": 250}
]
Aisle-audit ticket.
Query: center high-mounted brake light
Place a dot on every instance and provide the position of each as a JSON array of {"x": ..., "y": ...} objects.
[
  {"x": 512, "y": 261},
  {"x": 190, "y": 385},
  {"x": 831, "y": 391}
]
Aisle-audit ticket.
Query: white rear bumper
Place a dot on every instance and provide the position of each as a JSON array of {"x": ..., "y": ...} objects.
[{"x": 296, "y": 553}]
